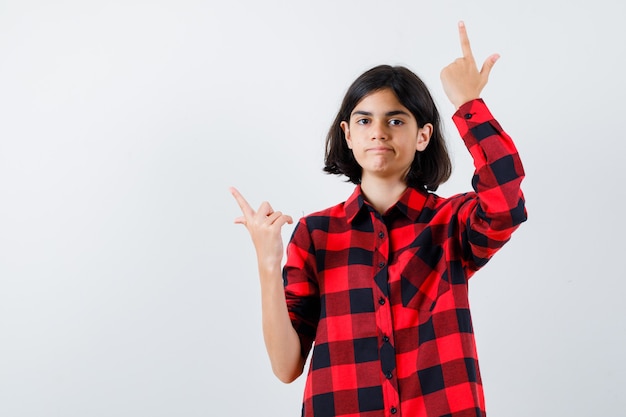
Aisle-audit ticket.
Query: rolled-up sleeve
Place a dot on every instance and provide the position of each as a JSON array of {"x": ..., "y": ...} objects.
[{"x": 301, "y": 288}]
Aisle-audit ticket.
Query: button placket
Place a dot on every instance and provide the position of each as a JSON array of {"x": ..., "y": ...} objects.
[{"x": 384, "y": 320}]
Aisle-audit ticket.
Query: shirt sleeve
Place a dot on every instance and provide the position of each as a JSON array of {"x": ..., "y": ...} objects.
[
  {"x": 497, "y": 209},
  {"x": 301, "y": 288}
]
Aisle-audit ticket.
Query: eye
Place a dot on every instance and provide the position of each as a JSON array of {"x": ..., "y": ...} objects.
[
  {"x": 396, "y": 122},
  {"x": 362, "y": 121}
]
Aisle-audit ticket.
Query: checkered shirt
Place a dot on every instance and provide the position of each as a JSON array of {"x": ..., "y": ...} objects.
[{"x": 384, "y": 298}]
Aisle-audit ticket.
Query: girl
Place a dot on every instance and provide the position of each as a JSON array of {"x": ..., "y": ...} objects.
[{"x": 379, "y": 282}]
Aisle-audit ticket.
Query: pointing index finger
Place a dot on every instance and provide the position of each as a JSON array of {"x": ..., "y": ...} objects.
[
  {"x": 246, "y": 209},
  {"x": 465, "y": 43}
]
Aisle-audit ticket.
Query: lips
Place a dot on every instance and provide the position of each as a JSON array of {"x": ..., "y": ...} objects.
[{"x": 379, "y": 149}]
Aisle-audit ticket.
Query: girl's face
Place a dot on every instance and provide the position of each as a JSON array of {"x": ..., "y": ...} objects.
[{"x": 383, "y": 136}]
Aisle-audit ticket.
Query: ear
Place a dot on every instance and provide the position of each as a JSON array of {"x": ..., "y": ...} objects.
[
  {"x": 423, "y": 136},
  {"x": 346, "y": 131}
]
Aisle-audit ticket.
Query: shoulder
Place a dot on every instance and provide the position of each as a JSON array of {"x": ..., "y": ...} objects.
[
  {"x": 435, "y": 200},
  {"x": 314, "y": 229},
  {"x": 335, "y": 218},
  {"x": 321, "y": 219},
  {"x": 449, "y": 205}
]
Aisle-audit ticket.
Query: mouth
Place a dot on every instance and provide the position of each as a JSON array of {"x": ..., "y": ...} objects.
[{"x": 379, "y": 149}]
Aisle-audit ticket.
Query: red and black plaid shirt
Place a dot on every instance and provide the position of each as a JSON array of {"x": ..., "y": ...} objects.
[{"x": 385, "y": 297}]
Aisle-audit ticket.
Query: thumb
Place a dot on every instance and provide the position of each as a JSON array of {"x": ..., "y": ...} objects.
[{"x": 488, "y": 65}]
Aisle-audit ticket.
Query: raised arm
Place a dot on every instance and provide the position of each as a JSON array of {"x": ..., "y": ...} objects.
[
  {"x": 488, "y": 219},
  {"x": 281, "y": 340}
]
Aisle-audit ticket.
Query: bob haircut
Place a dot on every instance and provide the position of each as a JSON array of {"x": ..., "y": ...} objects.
[{"x": 431, "y": 167}]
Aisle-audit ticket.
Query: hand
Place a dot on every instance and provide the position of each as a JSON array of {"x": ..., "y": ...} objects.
[
  {"x": 461, "y": 80},
  {"x": 264, "y": 227}
]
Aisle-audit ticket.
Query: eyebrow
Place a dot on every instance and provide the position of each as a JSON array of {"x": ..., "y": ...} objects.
[{"x": 389, "y": 113}]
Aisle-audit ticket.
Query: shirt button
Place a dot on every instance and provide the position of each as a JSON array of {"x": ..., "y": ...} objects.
[
  {"x": 393, "y": 410},
  {"x": 381, "y": 235},
  {"x": 381, "y": 264},
  {"x": 385, "y": 338},
  {"x": 381, "y": 301},
  {"x": 468, "y": 115},
  {"x": 388, "y": 375}
]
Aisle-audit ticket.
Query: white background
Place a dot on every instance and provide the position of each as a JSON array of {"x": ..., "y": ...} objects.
[{"x": 125, "y": 288}]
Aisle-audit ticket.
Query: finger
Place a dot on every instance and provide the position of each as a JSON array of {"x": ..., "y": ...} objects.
[
  {"x": 285, "y": 219},
  {"x": 240, "y": 220},
  {"x": 488, "y": 65},
  {"x": 265, "y": 209},
  {"x": 246, "y": 209},
  {"x": 279, "y": 218},
  {"x": 465, "y": 43}
]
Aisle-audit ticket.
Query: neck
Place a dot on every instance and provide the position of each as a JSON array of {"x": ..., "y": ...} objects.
[{"x": 382, "y": 193}]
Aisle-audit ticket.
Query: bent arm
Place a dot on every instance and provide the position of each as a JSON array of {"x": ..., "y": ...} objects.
[
  {"x": 281, "y": 340},
  {"x": 488, "y": 220},
  {"x": 291, "y": 306}
]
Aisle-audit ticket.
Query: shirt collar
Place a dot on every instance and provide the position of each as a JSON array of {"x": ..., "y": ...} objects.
[
  {"x": 410, "y": 203},
  {"x": 354, "y": 204}
]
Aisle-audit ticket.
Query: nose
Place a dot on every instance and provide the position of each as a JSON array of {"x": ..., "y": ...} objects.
[{"x": 379, "y": 130}]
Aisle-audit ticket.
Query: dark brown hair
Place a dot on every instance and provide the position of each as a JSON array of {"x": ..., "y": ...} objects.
[{"x": 431, "y": 167}]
